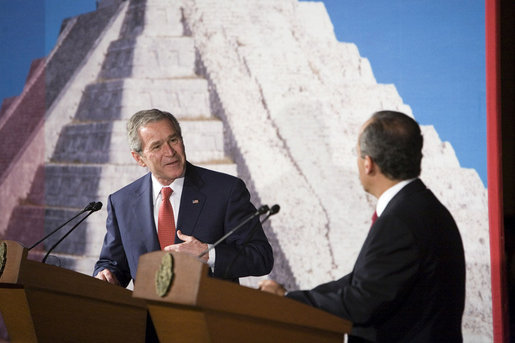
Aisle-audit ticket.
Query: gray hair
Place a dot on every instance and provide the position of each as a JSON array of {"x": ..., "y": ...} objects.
[
  {"x": 142, "y": 118},
  {"x": 394, "y": 142}
]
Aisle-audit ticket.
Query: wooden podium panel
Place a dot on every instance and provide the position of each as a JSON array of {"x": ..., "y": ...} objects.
[
  {"x": 199, "y": 308},
  {"x": 44, "y": 303}
]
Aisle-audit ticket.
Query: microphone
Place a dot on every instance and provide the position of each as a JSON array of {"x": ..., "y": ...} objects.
[
  {"x": 87, "y": 208},
  {"x": 262, "y": 210},
  {"x": 95, "y": 206},
  {"x": 273, "y": 210}
]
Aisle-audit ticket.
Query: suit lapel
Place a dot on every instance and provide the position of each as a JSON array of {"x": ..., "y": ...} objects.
[
  {"x": 192, "y": 201},
  {"x": 377, "y": 227},
  {"x": 141, "y": 209},
  {"x": 413, "y": 187}
]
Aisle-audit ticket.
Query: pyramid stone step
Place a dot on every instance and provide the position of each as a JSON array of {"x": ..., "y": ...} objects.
[
  {"x": 106, "y": 142},
  {"x": 446, "y": 180},
  {"x": 74, "y": 186},
  {"x": 163, "y": 17},
  {"x": 368, "y": 98},
  {"x": 151, "y": 44},
  {"x": 353, "y": 69},
  {"x": 120, "y": 99},
  {"x": 154, "y": 17},
  {"x": 203, "y": 140},
  {"x": 26, "y": 224},
  {"x": 149, "y": 57},
  {"x": 435, "y": 152}
]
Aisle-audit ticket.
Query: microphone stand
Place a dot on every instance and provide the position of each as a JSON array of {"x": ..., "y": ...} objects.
[
  {"x": 263, "y": 209},
  {"x": 87, "y": 208},
  {"x": 273, "y": 210},
  {"x": 95, "y": 207}
]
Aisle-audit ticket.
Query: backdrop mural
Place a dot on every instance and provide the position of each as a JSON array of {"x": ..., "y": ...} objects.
[{"x": 274, "y": 92}]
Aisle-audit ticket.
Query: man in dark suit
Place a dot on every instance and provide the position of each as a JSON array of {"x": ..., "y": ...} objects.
[
  {"x": 408, "y": 282},
  {"x": 199, "y": 206}
]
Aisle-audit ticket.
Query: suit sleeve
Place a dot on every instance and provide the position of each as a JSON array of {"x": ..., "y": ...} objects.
[
  {"x": 112, "y": 255},
  {"x": 246, "y": 252},
  {"x": 333, "y": 285},
  {"x": 324, "y": 296},
  {"x": 385, "y": 270}
]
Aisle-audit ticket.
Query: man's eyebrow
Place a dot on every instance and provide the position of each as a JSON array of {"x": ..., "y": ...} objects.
[{"x": 154, "y": 143}]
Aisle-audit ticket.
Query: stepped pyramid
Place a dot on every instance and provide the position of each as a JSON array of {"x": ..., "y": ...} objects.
[{"x": 263, "y": 90}]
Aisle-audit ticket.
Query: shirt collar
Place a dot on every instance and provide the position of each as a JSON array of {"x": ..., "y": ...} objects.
[
  {"x": 388, "y": 195},
  {"x": 176, "y": 185}
]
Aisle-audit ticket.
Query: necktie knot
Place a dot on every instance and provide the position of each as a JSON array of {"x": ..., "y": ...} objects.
[{"x": 166, "y": 192}]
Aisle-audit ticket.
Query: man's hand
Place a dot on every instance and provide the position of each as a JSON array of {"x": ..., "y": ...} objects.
[
  {"x": 106, "y": 275},
  {"x": 191, "y": 245},
  {"x": 273, "y": 287}
]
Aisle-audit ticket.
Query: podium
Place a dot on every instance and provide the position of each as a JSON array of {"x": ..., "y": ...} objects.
[
  {"x": 198, "y": 308},
  {"x": 44, "y": 303}
]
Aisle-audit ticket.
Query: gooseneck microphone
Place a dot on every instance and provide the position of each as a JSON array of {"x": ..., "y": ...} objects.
[
  {"x": 93, "y": 208},
  {"x": 262, "y": 210},
  {"x": 86, "y": 209},
  {"x": 273, "y": 210}
]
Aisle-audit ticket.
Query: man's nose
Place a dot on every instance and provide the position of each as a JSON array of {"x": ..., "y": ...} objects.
[{"x": 169, "y": 149}]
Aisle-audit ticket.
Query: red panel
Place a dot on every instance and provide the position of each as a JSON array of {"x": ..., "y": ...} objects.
[{"x": 494, "y": 153}]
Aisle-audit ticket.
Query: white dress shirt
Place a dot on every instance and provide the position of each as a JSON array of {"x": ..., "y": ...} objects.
[
  {"x": 388, "y": 195},
  {"x": 175, "y": 200}
]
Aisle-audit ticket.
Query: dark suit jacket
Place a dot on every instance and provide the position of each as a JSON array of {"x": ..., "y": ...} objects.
[
  {"x": 408, "y": 282},
  {"x": 212, "y": 204}
]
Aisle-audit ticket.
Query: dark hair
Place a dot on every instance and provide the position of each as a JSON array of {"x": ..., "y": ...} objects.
[
  {"x": 144, "y": 117},
  {"x": 394, "y": 142}
]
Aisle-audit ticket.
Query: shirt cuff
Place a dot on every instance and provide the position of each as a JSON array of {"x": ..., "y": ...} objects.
[{"x": 211, "y": 258}]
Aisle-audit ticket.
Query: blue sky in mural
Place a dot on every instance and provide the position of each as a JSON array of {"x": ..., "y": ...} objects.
[{"x": 432, "y": 51}]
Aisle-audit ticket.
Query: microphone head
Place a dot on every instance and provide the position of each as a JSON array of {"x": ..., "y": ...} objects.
[
  {"x": 263, "y": 209},
  {"x": 97, "y": 206},
  {"x": 274, "y": 209},
  {"x": 89, "y": 207}
]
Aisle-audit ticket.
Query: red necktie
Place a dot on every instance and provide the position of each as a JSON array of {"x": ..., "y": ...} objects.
[
  {"x": 165, "y": 219},
  {"x": 374, "y": 218}
]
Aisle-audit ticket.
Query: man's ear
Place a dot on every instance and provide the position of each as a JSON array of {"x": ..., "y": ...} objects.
[
  {"x": 368, "y": 165},
  {"x": 138, "y": 158}
]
